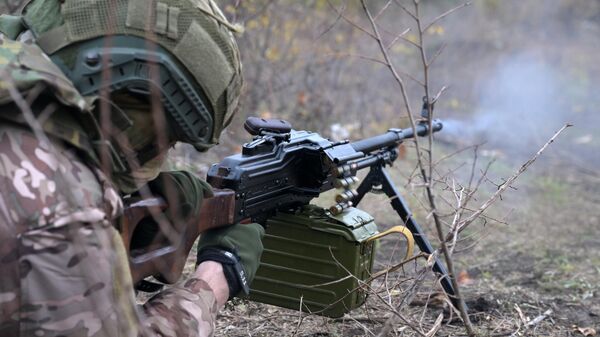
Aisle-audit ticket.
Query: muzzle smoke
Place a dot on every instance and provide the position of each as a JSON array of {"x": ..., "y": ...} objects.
[{"x": 521, "y": 105}]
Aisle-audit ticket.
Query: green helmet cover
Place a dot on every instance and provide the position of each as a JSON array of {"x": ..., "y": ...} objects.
[{"x": 190, "y": 41}]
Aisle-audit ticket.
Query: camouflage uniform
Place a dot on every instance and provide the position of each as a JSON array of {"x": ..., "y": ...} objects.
[
  {"x": 65, "y": 270},
  {"x": 64, "y": 266}
]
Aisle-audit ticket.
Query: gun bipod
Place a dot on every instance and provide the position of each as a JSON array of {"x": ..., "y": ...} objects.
[{"x": 379, "y": 178}]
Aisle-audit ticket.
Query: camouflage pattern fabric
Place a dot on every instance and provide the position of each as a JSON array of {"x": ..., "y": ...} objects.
[
  {"x": 28, "y": 66},
  {"x": 64, "y": 267},
  {"x": 25, "y": 67}
]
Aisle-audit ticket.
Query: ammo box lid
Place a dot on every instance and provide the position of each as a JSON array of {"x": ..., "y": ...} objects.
[{"x": 353, "y": 224}]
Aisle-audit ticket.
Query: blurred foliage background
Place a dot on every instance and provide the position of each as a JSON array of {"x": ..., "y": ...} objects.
[
  {"x": 516, "y": 71},
  {"x": 523, "y": 67}
]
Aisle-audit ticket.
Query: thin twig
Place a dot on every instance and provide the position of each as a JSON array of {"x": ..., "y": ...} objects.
[
  {"x": 459, "y": 300},
  {"x": 436, "y": 326},
  {"x": 435, "y": 56},
  {"x": 300, "y": 316},
  {"x": 383, "y": 9},
  {"x": 426, "y": 176},
  {"x": 352, "y": 23},
  {"x": 397, "y": 37},
  {"x": 445, "y": 14},
  {"x": 411, "y": 14},
  {"x": 539, "y": 318},
  {"x": 510, "y": 180},
  {"x": 366, "y": 285},
  {"x": 362, "y": 57},
  {"x": 337, "y": 19}
]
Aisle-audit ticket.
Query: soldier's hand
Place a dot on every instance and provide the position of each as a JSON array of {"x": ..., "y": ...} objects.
[
  {"x": 183, "y": 189},
  {"x": 238, "y": 248},
  {"x": 179, "y": 188}
]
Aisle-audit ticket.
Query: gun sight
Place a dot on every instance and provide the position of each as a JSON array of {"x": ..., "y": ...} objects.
[{"x": 259, "y": 126}]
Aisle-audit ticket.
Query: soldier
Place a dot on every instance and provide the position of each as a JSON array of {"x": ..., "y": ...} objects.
[{"x": 93, "y": 93}]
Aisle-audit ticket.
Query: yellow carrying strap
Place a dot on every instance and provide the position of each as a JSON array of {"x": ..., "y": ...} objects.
[{"x": 410, "y": 241}]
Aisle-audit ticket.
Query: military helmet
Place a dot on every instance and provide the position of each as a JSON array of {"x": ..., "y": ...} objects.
[{"x": 183, "y": 49}]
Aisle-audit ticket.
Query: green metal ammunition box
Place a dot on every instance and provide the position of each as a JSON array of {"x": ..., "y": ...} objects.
[{"x": 308, "y": 259}]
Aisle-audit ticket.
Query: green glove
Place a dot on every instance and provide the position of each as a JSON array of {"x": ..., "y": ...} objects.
[
  {"x": 238, "y": 248},
  {"x": 183, "y": 190}
]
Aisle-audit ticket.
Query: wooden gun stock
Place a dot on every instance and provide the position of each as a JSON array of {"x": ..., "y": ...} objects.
[{"x": 165, "y": 257}]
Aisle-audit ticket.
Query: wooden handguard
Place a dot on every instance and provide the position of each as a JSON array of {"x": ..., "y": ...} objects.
[{"x": 165, "y": 257}]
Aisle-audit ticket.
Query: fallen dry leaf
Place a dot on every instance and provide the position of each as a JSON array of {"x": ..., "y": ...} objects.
[
  {"x": 587, "y": 331},
  {"x": 464, "y": 279}
]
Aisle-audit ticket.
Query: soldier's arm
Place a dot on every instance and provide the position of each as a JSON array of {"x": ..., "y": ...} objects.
[
  {"x": 190, "y": 307},
  {"x": 194, "y": 303}
]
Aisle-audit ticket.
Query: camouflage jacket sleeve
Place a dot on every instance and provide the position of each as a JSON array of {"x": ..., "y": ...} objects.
[
  {"x": 188, "y": 310},
  {"x": 64, "y": 266}
]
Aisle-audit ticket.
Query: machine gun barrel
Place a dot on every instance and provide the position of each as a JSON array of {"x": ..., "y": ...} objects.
[{"x": 393, "y": 137}]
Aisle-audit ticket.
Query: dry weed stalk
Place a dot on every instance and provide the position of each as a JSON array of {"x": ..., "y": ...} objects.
[
  {"x": 427, "y": 164},
  {"x": 425, "y": 157}
]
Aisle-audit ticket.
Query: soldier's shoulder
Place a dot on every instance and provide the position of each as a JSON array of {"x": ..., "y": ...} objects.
[{"x": 27, "y": 69}]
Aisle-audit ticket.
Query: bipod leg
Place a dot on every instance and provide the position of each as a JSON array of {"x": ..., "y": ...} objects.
[{"x": 378, "y": 177}]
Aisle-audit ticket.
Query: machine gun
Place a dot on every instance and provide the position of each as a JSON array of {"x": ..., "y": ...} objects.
[{"x": 281, "y": 170}]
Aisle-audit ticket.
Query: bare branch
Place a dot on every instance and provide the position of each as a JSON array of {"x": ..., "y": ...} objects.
[
  {"x": 398, "y": 37},
  {"x": 412, "y": 43},
  {"x": 439, "y": 94},
  {"x": 436, "y": 326},
  {"x": 445, "y": 14},
  {"x": 396, "y": 76},
  {"x": 412, "y": 15},
  {"x": 435, "y": 56},
  {"x": 337, "y": 19},
  {"x": 428, "y": 103},
  {"x": 445, "y": 157},
  {"x": 510, "y": 180},
  {"x": 383, "y": 9},
  {"x": 352, "y": 23},
  {"x": 363, "y": 57}
]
